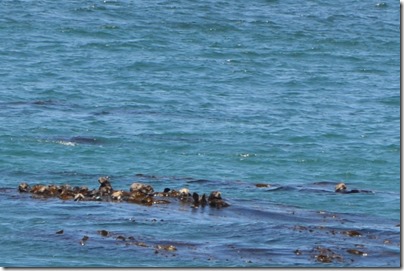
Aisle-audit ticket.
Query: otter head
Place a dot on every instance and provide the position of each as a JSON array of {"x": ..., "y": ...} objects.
[
  {"x": 341, "y": 187},
  {"x": 215, "y": 195},
  {"x": 23, "y": 187},
  {"x": 79, "y": 197},
  {"x": 117, "y": 195},
  {"x": 184, "y": 192},
  {"x": 103, "y": 180},
  {"x": 195, "y": 196},
  {"x": 142, "y": 188}
]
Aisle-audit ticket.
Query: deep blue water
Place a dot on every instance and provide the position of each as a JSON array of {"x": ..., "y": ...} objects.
[{"x": 208, "y": 95}]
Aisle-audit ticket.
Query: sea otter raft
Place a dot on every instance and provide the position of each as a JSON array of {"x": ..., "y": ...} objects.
[{"x": 138, "y": 193}]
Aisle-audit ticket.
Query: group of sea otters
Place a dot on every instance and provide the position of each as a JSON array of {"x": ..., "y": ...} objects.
[{"x": 138, "y": 193}]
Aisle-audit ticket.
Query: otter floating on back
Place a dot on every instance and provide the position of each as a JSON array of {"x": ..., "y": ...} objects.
[{"x": 342, "y": 188}]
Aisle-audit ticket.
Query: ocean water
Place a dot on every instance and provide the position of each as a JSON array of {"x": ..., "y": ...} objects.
[{"x": 207, "y": 95}]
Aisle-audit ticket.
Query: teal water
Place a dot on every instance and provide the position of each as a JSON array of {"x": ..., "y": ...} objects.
[{"x": 211, "y": 95}]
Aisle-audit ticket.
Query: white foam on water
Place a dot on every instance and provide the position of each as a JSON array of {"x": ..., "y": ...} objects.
[{"x": 66, "y": 143}]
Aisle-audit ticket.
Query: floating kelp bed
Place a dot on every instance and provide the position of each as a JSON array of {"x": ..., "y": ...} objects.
[{"x": 139, "y": 193}]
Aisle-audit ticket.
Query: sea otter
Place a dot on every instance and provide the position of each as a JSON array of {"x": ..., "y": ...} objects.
[
  {"x": 105, "y": 186},
  {"x": 215, "y": 200},
  {"x": 162, "y": 194},
  {"x": 24, "y": 187},
  {"x": 199, "y": 200},
  {"x": 142, "y": 188},
  {"x": 184, "y": 192},
  {"x": 342, "y": 188},
  {"x": 39, "y": 189},
  {"x": 184, "y": 196}
]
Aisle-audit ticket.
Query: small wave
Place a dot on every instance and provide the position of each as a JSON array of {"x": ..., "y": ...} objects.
[
  {"x": 85, "y": 140},
  {"x": 73, "y": 141},
  {"x": 76, "y": 140},
  {"x": 66, "y": 143},
  {"x": 44, "y": 102}
]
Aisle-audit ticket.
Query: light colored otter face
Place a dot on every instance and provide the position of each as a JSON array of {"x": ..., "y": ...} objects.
[
  {"x": 53, "y": 189},
  {"x": 136, "y": 187},
  {"x": 184, "y": 191},
  {"x": 23, "y": 187},
  {"x": 143, "y": 188},
  {"x": 340, "y": 187},
  {"x": 104, "y": 179},
  {"x": 78, "y": 197},
  {"x": 215, "y": 195},
  {"x": 39, "y": 189},
  {"x": 117, "y": 195}
]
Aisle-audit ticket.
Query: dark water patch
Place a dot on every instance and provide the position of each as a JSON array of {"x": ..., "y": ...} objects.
[
  {"x": 34, "y": 105},
  {"x": 279, "y": 213},
  {"x": 34, "y": 102},
  {"x": 280, "y": 188},
  {"x": 201, "y": 181},
  {"x": 348, "y": 232},
  {"x": 86, "y": 140},
  {"x": 177, "y": 180},
  {"x": 390, "y": 101},
  {"x": 102, "y": 113},
  {"x": 146, "y": 176},
  {"x": 172, "y": 137},
  {"x": 44, "y": 102},
  {"x": 7, "y": 190},
  {"x": 77, "y": 140}
]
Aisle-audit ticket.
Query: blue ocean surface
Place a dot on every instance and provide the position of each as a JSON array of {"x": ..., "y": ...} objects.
[{"x": 272, "y": 103}]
